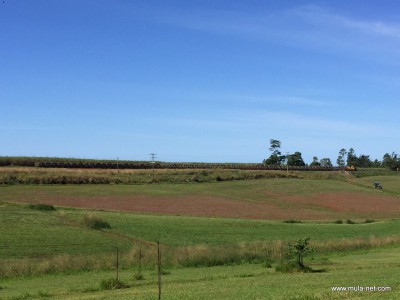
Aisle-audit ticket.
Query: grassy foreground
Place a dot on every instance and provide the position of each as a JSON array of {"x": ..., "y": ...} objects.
[{"x": 377, "y": 268}]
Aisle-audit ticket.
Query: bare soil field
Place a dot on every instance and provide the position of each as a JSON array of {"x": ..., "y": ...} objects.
[
  {"x": 279, "y": 207},
  {"x": 349, "y": 204}
]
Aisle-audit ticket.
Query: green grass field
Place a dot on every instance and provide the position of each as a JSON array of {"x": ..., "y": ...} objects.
[
  {"x": 377, "y": 268},
  {"x": 390, "y": 183},
  {"x": 347, "y": 266},
  {"x": 52, "y": 255},
  {"x": 28, "y": 233},
  {"x": 251, "y": 190},
  {"x": 181, "y": 230},
  {"x": 34, "y": 232}
]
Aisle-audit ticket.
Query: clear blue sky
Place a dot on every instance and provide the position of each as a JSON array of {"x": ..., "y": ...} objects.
[{"x": 198, "y": 80}]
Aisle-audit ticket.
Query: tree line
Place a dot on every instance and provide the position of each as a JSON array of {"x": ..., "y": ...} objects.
[{"x": 345, "y": 158}]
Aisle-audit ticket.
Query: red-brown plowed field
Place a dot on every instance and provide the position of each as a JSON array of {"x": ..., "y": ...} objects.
[
  {"x": 315, "y": 207},
  {"x": 350, "y": 204}
]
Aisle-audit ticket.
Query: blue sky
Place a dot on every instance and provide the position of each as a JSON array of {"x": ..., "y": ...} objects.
[{"x": 209, "y": 81}]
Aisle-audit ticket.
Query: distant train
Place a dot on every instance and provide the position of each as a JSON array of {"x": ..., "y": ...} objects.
[{"x": 156, "y": 165}]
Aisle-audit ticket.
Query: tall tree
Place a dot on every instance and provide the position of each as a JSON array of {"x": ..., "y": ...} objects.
[
  {"x": 363, "y": 161},
  {"x": 275, "y": 147},
  {"x": 295, "y": 159},
  {"x": 340, "y": 160},
  {"x": 376, "y": 164},
  {"x": 391, "y": 161},
  {"x": 388, "y": 159},
  {"x": 315, "y": 162},
  {"x": 276, "y": 157},
  {"x": 326, "y": 162},
  {"x": 351, "y": 158}
]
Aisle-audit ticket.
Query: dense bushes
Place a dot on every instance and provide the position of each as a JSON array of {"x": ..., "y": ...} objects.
[
  {"x": 42, "y": 207},
  {"x": 94, "y": 222},
  {"x": 112, "y": 284}
]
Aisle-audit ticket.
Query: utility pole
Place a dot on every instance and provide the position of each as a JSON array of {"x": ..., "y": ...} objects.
[
  {"x": 117, "y": 265},
  {"x": 153, "y": 156}
]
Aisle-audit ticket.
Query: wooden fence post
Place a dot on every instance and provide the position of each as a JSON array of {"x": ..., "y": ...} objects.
[
  {"x": 117, "y": 265},
  {"x": 159, "y": 269},
  {"x": 140, "y": 261}
]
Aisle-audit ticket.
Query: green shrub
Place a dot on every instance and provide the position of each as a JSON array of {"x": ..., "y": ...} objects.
[
  {"x": 94, "y": 222},
  {"x": 292, "y": 221},
  {"x": 42, "y": 207},
  {"x": 112, "y": 284},
  {"x": 350, "y": 222},
  {"x": 369, "y": 221},
  {"x": 298, "y": 250},
  {"x": 338, "y": 222}
]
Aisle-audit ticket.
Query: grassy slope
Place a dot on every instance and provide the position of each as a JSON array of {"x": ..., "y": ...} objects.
[
  {"x": 279, "y": 193},
  {"x": 242, "y": 190},
  {"x": 180, "y": 230},
  {"x": 26, "y": 232},
  {"x": 20, "y": 227},
  {"x": 252, "y": 190},
  {"x": 227, "y": 282},
  {"x": 390, "y": 184}
]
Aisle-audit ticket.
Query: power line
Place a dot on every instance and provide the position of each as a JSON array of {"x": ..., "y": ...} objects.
[{"x": 153, "y": 156}]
